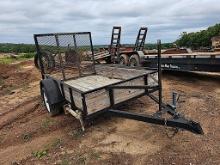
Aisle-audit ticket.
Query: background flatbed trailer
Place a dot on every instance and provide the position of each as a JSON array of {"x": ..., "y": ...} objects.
[
  {"x": 197, "y": 61},
  {"x": 172, "y": 59}
]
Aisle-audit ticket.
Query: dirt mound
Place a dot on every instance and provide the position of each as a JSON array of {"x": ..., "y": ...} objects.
[{"x": 16, "y": 75}]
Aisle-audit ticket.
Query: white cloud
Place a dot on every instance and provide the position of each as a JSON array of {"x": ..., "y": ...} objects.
[{"x": 20, "y": 19}]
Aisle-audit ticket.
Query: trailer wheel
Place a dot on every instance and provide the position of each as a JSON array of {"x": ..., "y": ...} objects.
[
  {"x": 134, "y": 60},
  {"x": 53, "y": 109},
  {"x": 123, "y": 59},
  {"x": 108, "y": 60},
  {"x": 47, "y": 58}
]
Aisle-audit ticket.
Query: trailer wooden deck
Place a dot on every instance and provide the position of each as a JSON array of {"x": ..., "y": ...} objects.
[
  {"x": 95, "y": 86},
  {"x": 91, "y": 82}
]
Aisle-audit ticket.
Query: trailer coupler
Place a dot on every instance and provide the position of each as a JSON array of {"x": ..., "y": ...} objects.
[{"x": 176, "y": 120}]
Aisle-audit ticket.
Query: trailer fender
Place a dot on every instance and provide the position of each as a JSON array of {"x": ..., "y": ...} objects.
[
  {"x": 52, "y": 91},
  {"x": 141, "y": 55}
]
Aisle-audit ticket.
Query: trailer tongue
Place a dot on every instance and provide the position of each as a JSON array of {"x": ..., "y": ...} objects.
[{"x": 71, "y": 80}]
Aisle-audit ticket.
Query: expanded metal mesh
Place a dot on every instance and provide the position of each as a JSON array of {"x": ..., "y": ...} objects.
[{"x": 66, "y": 52}]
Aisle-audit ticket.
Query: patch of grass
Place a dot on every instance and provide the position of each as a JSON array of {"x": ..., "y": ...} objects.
[
  {"x": 27, "y": 55},
  {"x": 25, "y": 86},
  {"x": 56, "y": 143},
  {"x": 65, "y": 159},
  {"x": 65, "y": 162},
  {"x": 53, "y": 144},
  {"x": 1, "y": 139},
  {"x": 26, "y": 137},
  {"x": 76, "y": 134},
  {"x": 46, "y": 123},
  {"x": 40, "y": 154},
  {"x": 94, "y": 155},
  {"x": 7, "y": 60},
  {"x": 81, "y": 160},
  {"x": 9, "y": 90},
  {"x": 1, "y": 81},
  {"x": 20, "y": 57}
]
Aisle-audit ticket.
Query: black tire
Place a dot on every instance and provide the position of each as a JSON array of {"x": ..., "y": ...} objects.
[
  {"x": 108, "y": 60},
  {"x": 134, "y": 60},
  {"x": 47, "y": 59},
  {"x": 53, "y": 109},
  {"x": 123, "y": 59}
]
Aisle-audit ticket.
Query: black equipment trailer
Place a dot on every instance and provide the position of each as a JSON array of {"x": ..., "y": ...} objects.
[
  {"x": 197, "y": 61},
  {"x": 72, "y": 81},
  {"x": 137, "y": 56}
]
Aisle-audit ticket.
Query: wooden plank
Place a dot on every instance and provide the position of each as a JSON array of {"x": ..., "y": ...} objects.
[
  {"x": 101, "y": 80},
  {"x": 91, "y": 82},
  {"x": 125, "y": 94},
  {"x": 121, "y": 73},
  {"x": 101, "y": 55},
  {"x": 153, "y": 79},
  {"x": 97, "y": 101},
  {"x": 76, "y": 97}
]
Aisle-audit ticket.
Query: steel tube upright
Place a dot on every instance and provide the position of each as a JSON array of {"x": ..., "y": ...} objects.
[
  {"x": 39, "y": 55},
  {"x": 60, "y": 57},
  {"x": 159, "y": 73}
]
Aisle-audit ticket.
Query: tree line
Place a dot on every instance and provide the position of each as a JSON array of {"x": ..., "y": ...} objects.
[
  {"x": 30, "y": 48},
  {"x": 196, "y": 40},
  {"x": 17, "y": 48}
]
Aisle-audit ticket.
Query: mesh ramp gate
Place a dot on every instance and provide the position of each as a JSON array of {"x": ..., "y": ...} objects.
[{"x": 66, "y": 54}]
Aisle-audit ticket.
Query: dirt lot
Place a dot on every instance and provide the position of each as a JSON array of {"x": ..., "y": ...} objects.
[{"x": 29, "y": 136}]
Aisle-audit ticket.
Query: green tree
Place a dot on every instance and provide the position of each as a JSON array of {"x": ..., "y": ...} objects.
[{"x": 199, "y": 39}]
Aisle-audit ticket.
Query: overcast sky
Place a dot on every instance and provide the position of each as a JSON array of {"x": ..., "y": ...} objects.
[{"x": 166, "y": 19}]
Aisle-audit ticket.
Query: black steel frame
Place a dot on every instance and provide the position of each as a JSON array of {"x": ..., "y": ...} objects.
[
  {"x": 176, "y": 120},
  {"x": 140, "y": 40},
  {"x": 59, "y": 53}
]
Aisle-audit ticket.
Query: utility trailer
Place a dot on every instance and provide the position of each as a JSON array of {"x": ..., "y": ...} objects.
[{"x": 71, "y": 80}]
